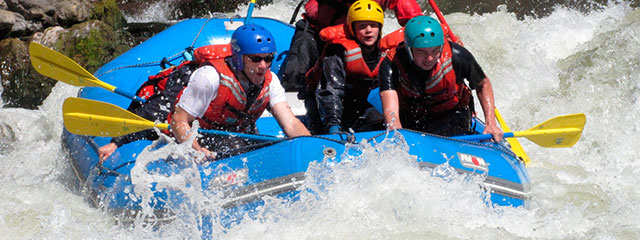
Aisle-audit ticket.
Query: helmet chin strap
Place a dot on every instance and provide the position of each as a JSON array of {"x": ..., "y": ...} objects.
[{"x": 410, "y": 53}]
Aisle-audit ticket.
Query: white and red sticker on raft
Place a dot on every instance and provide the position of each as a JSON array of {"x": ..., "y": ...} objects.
[{"x": 471, "y": 161}]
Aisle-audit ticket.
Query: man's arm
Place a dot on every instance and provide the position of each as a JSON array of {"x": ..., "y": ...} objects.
[
  {"x": 387, "y": 74},
  {"x": 485, "y": 95},
  {"x": 290, "y": 124},
  {"x": 181, "y": 129},
  {"x": 466, "y": 67},
  {"x": 391, "y": 108}
]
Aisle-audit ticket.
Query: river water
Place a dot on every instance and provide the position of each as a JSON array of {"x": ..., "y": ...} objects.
[{"x": 566, "y": 62}]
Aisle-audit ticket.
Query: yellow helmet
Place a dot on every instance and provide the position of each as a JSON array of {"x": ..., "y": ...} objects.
[{"x": 364, "y": 10}]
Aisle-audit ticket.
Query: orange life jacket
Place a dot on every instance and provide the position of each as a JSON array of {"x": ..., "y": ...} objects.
[
  {"x": 441, "y": 92},
  {"x": 355, "y": 65}
]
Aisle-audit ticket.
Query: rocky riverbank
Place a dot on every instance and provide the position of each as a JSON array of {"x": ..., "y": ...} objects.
[{"x": 91, "y": 32}]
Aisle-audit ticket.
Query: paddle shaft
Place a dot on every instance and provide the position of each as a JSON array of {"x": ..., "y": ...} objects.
[
  {"x": 557, "y": 131},
  {"x": 247, "y": 19},
  {"x": 145, "y": 124},
  {"x": 164, "y": 126}
]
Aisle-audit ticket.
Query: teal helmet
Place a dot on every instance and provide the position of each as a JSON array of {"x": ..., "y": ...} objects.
[{"x": 422, "y": 32}]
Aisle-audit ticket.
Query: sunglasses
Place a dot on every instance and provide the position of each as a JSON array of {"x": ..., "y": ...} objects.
[{"x": 257, "y": 59}]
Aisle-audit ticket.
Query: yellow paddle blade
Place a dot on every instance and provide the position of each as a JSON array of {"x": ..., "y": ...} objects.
[
  {"x": 59, "y": 67},
  {"x": 557, "y": 132},
  {"x": 516, "y": 147},
  {"x": 94, "y": 118}
]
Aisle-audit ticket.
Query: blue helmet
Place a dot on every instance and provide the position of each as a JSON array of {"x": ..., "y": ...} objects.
[
  {"x": 422, "y": 32},
  {"x": 250, "y": 39}
]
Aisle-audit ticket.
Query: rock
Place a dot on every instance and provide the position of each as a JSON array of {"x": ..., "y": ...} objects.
[
  {"x": 72, "y": 11},
  {"x": 49, "y": 37},
  {"x": 36, "y": 9},
  {"x": 11, "y": 24},
  {"x": 3, "y": 5},
  {"x": 95, "y": 35},
  {"x": 93, "y": 43},
  {"x": 22, "y": 85},
  {"x": 108, "y": 12},
  {"x": 31, "y": 9},
  {"x": 32, "y": 26}
]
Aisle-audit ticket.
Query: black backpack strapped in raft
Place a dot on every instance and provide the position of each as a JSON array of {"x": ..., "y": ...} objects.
[{"x": 162, "y": 89}]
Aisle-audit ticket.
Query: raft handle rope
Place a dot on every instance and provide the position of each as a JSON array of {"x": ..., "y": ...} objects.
[
  {"x": 350, "y": 138},
  {"x": 502, "y": 148},
  {"x": 171, "y": 58}
]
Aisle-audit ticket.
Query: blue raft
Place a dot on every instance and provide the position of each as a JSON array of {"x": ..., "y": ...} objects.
[{"x": 278, "y": 168}]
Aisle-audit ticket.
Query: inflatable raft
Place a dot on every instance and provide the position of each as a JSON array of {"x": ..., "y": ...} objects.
[{"x": 275, "y": 169}]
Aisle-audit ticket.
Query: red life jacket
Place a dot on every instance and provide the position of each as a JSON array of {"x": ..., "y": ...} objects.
[
  {"x": 157, "y": 83},
  {"x": 441, "y": 93},
  {"x": 230, "y": 110},
  {"x": 355, "y": 65},
  {"x": 324, "y": 13}
]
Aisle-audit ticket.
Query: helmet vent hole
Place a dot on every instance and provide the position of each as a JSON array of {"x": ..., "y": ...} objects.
[
  {"x": 369, "y": 6},
  {"x": 259, "y": 40},
  {"x": 357, "y": 9},
  {"x": 421, "y": 34},
  {"x": 433, "y": 34}
]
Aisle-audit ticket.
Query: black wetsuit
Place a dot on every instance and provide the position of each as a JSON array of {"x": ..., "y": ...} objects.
[
  {"x": 454, "y": 122},
  {"x": 341, "y": 100}
]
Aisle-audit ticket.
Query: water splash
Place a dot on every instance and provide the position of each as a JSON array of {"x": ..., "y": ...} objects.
[{"x": 566, "y": 62}]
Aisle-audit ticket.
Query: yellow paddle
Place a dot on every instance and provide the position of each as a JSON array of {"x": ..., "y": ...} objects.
[
  {"x": 55, "y": 65},
  {"x": 557, "y": 132},
  {"x": 88, "y": 117},
  {"x": 516, "y": 147}
]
